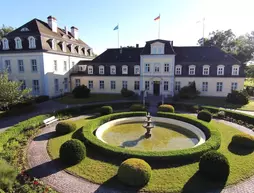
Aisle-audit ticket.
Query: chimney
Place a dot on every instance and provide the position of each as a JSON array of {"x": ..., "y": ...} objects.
[
  {"x": 137, "y": 45},
  {"x": 65, "y": 30},
  {"x": 52, "y": 22},
  {"x": 74, "y": 32}
]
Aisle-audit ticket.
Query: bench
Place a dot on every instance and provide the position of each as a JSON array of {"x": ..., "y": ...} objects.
[{"x": 50, "y": 120}]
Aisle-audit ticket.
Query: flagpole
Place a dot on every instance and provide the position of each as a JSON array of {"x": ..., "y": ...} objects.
[
  {"x": 118, "y": 35},
  {"x": 203, "y": 31},
  {"x": 159, "y": 26}
]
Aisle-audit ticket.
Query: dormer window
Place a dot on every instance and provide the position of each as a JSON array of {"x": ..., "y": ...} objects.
[
  {"x": 136, "y": 69},
  {"x": 101, "y": 69},
  {"x": 90, "y": 69},
  {"x": 112, "y": 69},
  {"x": 5, "y": 43},
  {"x": 53, "y": 44},
  {"x": 206, "y": 69},
  {"x": 178, "y": 70},
  {"x": 157, "y": 48},
  {"x": 18, "y": 43},
  {"x": 64, "y": 47},
  {"x": 72, "y": 48},
  {"x": 220, "y": 70},
  {"x": 24, "y": 29},
  {"x": 124, "y": 69},
  {"x": 235, "y": 70},
  {"x": 192, "y": 69},
  {"x": 32, "y": 43}
]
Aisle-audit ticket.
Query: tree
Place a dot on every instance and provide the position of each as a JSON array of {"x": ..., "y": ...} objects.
[
  {"x": 5, "y": 30},
  {"x": 249, "y": 71},
  {"x": 11, "y": 92},
  {"x": 242, "y": 47}
]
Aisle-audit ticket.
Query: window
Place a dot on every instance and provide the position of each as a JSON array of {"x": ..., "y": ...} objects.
[
  {"x": 5, "y": 43},
  {"x": 204, "y": 86},
  {"x": 55, "y": 65},
  {"x": 234, "y": 86},
  {"x": 18, "y": 43},
  {"x": 65, "y": 66},
  {"x": 77, "y": 82},
  {"x": 156, "y": 67},
  {"x": 113, "y": 85},
  {"x": 178, "y": 70},
  {"x": 36, "y": 87},
  {"x": 124, "y": 69},
  {"x": 8, "y": 66},
  {"x": 166, "y": 85},
  {"x": 90, "y": 70},
  {"x": 166, "y": 67},
  {"x": 32, "y": 43},
  {"x": 56, "y": 84},
  {"x": 23, "y": 85},
  {"x": 147, "y": 67},
  {"x": 219, "y": 86},
  {"x": 192, "y": 70},
  {"x": 125, "y": 84},
  {"x": 21, "y": 65},
  {"x": 235, "y": 70},
  {"x": 90, "y": 84},
  {"x": 136, "y": 69},
  {"x": 53, "y": 44},
  {"x": 65, "y": 84},
  {"x": 101, "y": 84},
  {"x": 220, "y": 70},
  {"x": 112, "y": 69},
  {"x": 157, "y": 50},
  {"x": 206, "y": 69},
  {"x": 101, "y": 69},
  {"x": 147, "y": 85},
  {"x": 136, "y": 85},
  {"x": 177, "y": 86},
  {"x": 34, "y": 66}
]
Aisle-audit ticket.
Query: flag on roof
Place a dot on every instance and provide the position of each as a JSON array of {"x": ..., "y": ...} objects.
[
  {"x": 116, "y": 28},
  {"x": 157, "y": 18}
]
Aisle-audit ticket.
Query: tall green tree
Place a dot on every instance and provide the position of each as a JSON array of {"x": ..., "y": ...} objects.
[
  {"x": 4, "y": 30},
  {"x": 11, "y": 92}
]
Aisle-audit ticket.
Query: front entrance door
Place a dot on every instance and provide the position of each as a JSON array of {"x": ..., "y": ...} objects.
[{"x": 156, "y": 88}]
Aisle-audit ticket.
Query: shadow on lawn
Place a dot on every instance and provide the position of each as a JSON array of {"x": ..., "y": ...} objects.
[
  {"x": 199, "y": 183},
  {"x": 113, "y": 185},
  {"x": 46, "y": 136},
  {"x": 239, "y": 150}
]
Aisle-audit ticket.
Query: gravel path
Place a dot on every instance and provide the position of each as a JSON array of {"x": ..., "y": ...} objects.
[{"x": 53, "y": 174}]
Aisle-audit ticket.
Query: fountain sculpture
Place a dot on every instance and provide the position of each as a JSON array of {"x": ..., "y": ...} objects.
[{"x": 148, "y": 125}]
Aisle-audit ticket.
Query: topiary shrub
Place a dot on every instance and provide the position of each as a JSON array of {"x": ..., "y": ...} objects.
[
  {"x": 127, "y": 93},
  {"x": 134, "y": 172},
  {"x": 81, "y": 92},
  {"x": 243, "y": 140},
  {"x": 189, "y": 92},
  {"x": 65, "y": 127},
  {"x": 105, "y": 110},
  {"x": 166, "y": 108},
  {"x": 72, "y": 152},
  {"x": 7, "y": 175},
  {"x": 137, "y": 107},
  {"x": 221, "y": 114},
  {"x": 214, "y": 165},
  {"x": 238, "y": 97},
  {"x": 205, "y": 115}
]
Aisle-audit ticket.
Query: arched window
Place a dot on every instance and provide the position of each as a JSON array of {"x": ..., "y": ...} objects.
[
  {"x": 235, "y": 70},
  {"x": 101, "y": 69},
  {"x": 32, "y": 43},
  {"x": 18, "y": 43},
  {"x": 192, "y": 69},
  {"x": 220, "y": 69},
  {"x": 5, "y": 43},
  {"x": 90, "y": 69},
  {"x": 113, "y": 69},
  {"x": 124, "y": 69},
  {"x": 136, "y": 69},
  {"x": 206, "y": 70},
  {"x": 178, "y": 70}
]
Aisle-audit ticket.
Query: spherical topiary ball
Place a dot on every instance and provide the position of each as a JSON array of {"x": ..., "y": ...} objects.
[
  {"x": 134, "y": 172},
  {"x": 243, "y": 140},
  {"x": 65, "y": 127},
  {"x": 214, "y": 165},
  {"x": 166, "y": 108},
  {"x": 205, "y": 115},
  {"x": 72, "y": 151},
  {"x": 105, "y": 110}
]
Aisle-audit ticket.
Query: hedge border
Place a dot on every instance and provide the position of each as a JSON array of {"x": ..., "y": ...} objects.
[{"x": 193, "y": 154}]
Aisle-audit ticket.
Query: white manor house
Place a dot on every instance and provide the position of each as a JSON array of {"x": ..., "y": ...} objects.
[{"x": 161, "y": 69}]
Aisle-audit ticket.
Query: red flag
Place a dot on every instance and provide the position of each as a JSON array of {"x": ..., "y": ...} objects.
[{"x": 157, "y": 18}]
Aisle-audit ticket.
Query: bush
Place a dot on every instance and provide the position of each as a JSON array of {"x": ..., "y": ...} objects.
[
  {"x": 134, "y": 172},
  {"x": 166, "y": 108},
  {"x": 127, "y": 93},
  {"x": 81, "y": 92},
  {"x": 137, "y": 107},
  {"x": 189, "y": 92},
  {"x": 205, "y": 115},
  {"x": 7, "y": 175},
  {"x": 66, "y": 127},
  {"x": 41, "y": 98},
  {"x": 238, "y": 97},
  {"x": 243, "y": 140},
  {"x": 214, "y": 165},
  {"x": 105, "y": 110},
  {"x": 221, "y": 114},
  {"x": 72, "y": 151}
]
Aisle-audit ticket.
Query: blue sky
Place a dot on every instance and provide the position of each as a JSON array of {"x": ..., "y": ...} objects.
[{"x": 96, "y": 19}]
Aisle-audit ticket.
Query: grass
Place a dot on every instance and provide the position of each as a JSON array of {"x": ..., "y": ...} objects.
[
  {"x": 93, "y": 98},
  {"x": 101, "y": 169}
]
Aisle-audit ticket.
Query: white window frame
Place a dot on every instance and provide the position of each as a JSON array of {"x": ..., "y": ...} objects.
[
  {"x": 113, "y": 84},
  {"x": 90, "y": 84},
  {"x": 34, "y": 65},
  {"x": 206, "y": 70},
  {"x": 178, "y": 70},
  {"x": 90, "y": 69},
  {"x": 7, "y": 66},
  {"x": 192, "y": 70},
  {"x": 5, "y": 43},
  {"x": 101, "y": 85},
  {"x": 166, "y": 67},
  {"x": 56, "y": 85},
  {"x": 147, "y": 85},
  {"x": 220, "y": 70},
  {"x": 124, "y": 69},
  {"x": 32, "y": 43},
  {"x": 136, "y": 85},
  {"x": 165, "y": 87},
  {"x": 234, "y": 85},
  {"x": 177, "y": 86},
  {"x": 156, "y": 68},
  {"x": 136, "y": 69},
  {"x": 77, "y": 82},
  {"x": 204, "y": 86},
  {"x": 112, "y": 69},
  {"x": 18, "y": 43},
  {"x": 147, "y": 68},
  {"x": 235, "y": 70},
  {"x": 23, "y": 86},
  {"x": 36, "y": 87},
  {"x": 101, "y": 69},
  {"x": 55, "y": 66},
  {"x": 125, "y": 84},
  {"x": 21, "y": 66},
  {"x": 219, "y": 86}
]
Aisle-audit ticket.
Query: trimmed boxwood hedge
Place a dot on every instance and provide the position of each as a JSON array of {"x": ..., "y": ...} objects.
[
  {"x": 166, "y": 108},
  {"x": 137, "y": 107},
  {"x": 205, "y": 115},
  {"x": 105, "y": 110},
  {"x": 243, "y": 140},
  {"x": 65, "y": 127},
  {"x": 176, "y": 156}
]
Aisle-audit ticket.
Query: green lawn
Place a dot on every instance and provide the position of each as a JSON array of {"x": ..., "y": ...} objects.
[
  {"x": 102, "y": 169},
  {"x": 93, "y": 98}
]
